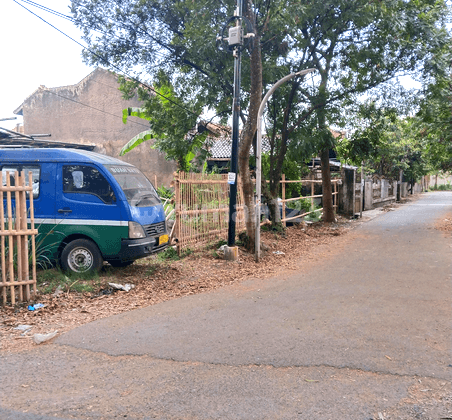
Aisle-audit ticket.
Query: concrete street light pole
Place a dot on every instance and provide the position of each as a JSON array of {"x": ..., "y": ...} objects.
[{"x": 257, "y": 240}]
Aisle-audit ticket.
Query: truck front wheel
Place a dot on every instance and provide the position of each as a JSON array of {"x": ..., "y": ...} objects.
[{"x": 81, "y": 256}]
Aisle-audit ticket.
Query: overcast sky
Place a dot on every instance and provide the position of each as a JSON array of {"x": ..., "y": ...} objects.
[{"x": 33, "y": 53}]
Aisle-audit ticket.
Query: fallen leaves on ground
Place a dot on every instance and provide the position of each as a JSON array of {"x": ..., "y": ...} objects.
[
  {"x": 157, "y": 281},
  {"x": 445, "y": 224}
]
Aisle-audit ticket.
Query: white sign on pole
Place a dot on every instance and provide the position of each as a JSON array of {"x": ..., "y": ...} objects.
[{"x": 231, "y": 178}]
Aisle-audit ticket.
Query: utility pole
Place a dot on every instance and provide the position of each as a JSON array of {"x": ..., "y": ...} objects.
[{"x": 235, "y": 40}]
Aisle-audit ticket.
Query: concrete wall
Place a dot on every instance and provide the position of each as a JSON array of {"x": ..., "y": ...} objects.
[
  {"x": 439, "y": 180},
  {"x": 346, "y": 192},
  {"x": 90, "y": 112},
  {"x": 379, "y": 192}
]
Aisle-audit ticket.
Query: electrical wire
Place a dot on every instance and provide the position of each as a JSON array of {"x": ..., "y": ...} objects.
[
  {"x": 71, "y": 19},
  {"x": 53, "y": 12},
  {"x": 96, "y": 109},
  {"x": 61, "y": 15},
  {"x": 109, "y": 63}
]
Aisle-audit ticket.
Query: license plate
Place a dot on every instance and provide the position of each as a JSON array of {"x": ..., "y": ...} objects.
[{"x": 163, "y": 239}]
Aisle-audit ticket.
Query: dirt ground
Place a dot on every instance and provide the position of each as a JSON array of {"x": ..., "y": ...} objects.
[
  {"x": 156, "y": 281},
  {"x": 200, "y": 272},
  {"x": 445, "y": 224},
  {"x": 153, "y": 282}
]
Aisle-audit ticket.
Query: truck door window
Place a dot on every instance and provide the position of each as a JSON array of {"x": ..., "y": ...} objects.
[
  {"x": 80, "y": 179},
  {"x": 35, "y": 171}
]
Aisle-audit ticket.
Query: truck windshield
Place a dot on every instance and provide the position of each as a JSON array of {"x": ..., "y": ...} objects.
[{"x": 138, "y": 189}]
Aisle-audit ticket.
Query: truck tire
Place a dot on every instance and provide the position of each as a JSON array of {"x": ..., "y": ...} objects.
[{"x": 81, "y": 256}]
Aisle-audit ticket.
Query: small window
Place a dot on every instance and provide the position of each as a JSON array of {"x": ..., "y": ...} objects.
[
  {"x": 35, "y": 171},
  {"x": 80, "y": 179}
]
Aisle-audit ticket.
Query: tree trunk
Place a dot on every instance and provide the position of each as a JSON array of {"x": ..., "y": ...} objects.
[
  {"x": 328, "y": 210},
  {"x": 271, "y": 199},
  {"x": 248, "y": 133}
]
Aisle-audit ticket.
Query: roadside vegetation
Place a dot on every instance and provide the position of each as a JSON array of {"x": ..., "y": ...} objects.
[{"x": 359, "y": 50}]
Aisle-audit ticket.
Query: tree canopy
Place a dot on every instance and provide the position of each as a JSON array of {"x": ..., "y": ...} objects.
[{"x": 355, "y": 46}]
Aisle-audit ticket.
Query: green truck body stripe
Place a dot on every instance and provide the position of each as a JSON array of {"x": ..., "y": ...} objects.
[{"x": 107, "y": 234}]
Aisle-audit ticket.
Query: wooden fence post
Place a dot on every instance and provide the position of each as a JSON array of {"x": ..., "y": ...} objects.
[
  {"x": 18, "y": 238},
  {"x": 283, "y": 184},
  {"x": 312, "y": 191},
  {"x": 10, "y": 240},
  {"x": 2, "y": 247},
  {"x": 32, "y": 227},
  {"x": 178, "y": 209},
  {"x": 335, "y": 196}
]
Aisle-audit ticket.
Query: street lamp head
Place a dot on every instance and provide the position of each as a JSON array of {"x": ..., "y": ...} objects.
[{"x": 305, "y": 71}]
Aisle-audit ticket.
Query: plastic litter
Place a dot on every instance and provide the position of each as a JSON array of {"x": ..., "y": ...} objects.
[
  {"x": 126, "y": 287},
  {"x": 41, "y": 338},
  {"x": 58, "y": 291},
  {"x": 23, "y": 327},
  {"x": 279, "y": 253},
  {"x": 36, "y": 306}
]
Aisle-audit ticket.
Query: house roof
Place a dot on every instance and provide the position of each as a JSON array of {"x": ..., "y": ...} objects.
[
  {"x": 221, "y": 148},
  {"x": 333, "y": 163},
  {"x": 19, "y": 109}
]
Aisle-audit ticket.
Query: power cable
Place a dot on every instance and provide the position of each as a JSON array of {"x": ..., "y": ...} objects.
[
  {"x": 96, "y": 109},
  {"x": 71, "y": 19},
  {"x": 109, "y": 63},
  {"x": 53, "y": 12}
]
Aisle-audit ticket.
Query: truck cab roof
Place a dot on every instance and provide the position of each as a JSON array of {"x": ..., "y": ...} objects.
[{"x": 36, "y": 155}]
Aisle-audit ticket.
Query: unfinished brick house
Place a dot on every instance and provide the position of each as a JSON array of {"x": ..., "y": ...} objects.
[{"x": 90, "y": 112}]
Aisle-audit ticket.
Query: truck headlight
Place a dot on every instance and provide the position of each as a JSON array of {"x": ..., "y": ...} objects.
[{"x": 136, "y": 231}]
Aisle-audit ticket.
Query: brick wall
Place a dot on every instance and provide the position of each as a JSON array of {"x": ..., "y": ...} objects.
[{"x": 90, "y": 112}]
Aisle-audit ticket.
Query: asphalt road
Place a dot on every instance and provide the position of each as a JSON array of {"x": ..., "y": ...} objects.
[{"x": 361, "y": 331}]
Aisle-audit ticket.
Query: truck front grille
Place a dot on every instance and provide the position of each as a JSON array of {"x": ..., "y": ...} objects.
[{"x": 155, "y": 229}]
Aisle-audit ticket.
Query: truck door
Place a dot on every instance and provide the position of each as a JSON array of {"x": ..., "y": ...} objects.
[{"x": 87, "y": 204}]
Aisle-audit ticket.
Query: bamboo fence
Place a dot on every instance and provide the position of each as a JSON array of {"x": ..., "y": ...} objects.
[
  {"x": 202, "y": 207},
  {"x": 312, "y": 182},
  {"x": 15, "y": 239}
]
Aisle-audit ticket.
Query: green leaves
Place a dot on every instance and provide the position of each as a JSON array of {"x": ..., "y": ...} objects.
[
  {"x": 136, "y": 141},
  {"x": 172, "y": 124}
]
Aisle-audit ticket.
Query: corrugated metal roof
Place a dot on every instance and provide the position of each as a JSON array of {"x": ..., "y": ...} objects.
[{"x": 221, "y": 148}]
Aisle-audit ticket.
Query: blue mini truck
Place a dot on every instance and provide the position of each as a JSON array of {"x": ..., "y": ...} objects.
[{"x": 89, "y": 208}]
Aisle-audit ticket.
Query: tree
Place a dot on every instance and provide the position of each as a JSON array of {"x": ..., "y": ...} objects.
[
  {"x": 435, "y": 122},
  {"x": 386, "y": 144},
  {"x": 354, "y": 44},
  {"x": 348, "y": 43},
  {"x": 171, "y": 127}
]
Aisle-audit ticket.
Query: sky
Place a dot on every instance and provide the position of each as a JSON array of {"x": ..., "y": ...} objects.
[{"x": 33, "y": 53}]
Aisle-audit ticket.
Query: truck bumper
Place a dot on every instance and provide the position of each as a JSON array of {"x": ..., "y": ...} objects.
[{"x": 133, "y": 249}]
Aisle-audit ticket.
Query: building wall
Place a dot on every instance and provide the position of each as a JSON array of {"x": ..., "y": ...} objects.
[
  {"x": 436, "y": 180},
  {"x": 90, "y": 112}
]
